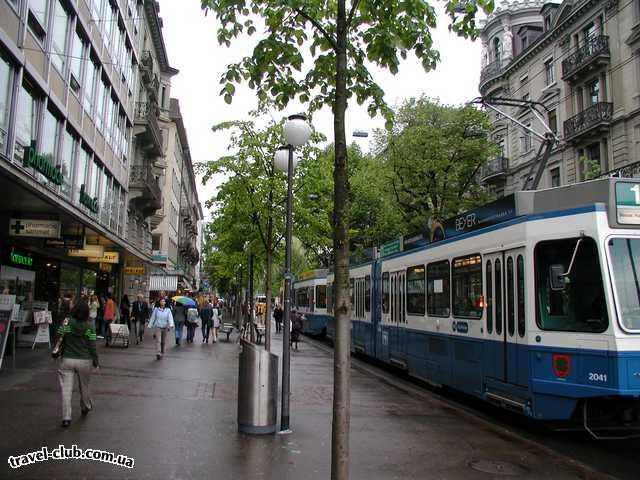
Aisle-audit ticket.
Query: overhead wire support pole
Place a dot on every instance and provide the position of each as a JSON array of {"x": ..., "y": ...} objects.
[{"x": 548, "y": 138}]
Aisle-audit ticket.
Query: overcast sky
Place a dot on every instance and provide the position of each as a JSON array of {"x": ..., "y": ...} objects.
[{"x": 191, "y": 43}]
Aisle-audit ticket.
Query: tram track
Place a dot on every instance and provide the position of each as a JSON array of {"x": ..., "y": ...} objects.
[{"x": 592, "y": 459}]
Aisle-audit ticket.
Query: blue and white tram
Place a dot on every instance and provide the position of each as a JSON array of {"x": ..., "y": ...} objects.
[
  {"x": 532, "y": 303},
  {"x": 310, "y": 293}
]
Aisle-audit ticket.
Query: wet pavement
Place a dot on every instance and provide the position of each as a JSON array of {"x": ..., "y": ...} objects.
[{"x": 177, "y": 418}]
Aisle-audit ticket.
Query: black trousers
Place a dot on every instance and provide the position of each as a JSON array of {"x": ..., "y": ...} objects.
[
  {"x": 206, "y": 329},
  {"x": 191, "y": 331}
]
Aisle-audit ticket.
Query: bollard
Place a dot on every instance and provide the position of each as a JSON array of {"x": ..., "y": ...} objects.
[{"x": 257, "y": 390}]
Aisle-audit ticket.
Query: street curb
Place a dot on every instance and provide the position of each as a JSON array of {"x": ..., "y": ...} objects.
[{"x": 584, "y": 471}]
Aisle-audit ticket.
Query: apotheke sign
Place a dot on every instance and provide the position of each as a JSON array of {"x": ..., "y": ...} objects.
[
  {"x": 22, "y": 227},
  {"x": 42, "y": 163}
]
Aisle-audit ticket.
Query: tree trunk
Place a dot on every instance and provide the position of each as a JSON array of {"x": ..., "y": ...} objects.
[
  {"x": 342, "y": 351},
  {"x": 267, "y": 288}
]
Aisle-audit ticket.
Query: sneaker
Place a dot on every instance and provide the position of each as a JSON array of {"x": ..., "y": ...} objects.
[
  {"x": 100, "y": 337},
  {"x": 158, "y": 356},
  {"x": 66, "y": 423},
  {"x": 85, "y": 411}
]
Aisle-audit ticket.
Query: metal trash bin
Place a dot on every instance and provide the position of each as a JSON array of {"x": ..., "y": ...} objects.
[{"x": 257, "y": 390}]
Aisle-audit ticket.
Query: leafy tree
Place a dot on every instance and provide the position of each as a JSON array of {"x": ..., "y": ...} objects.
[
  {"x": 435, "y": 153},
  {"x": 341, "y": 40},
  {"x": 590, "y": 167},
  {"x": 250, "y": 205}
]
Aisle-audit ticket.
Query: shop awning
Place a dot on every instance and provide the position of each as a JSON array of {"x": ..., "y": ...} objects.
[{"x": 168, "y": 283}]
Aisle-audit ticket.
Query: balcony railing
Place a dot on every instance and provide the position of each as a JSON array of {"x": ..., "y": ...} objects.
[
  {"x": 585, "y": 56},
  {"x": 596, "y": 115},
  {"x": 495, "y": 167},
  {"x": 631, "y": 170},
  {"x": 492, "y": 70},
  {"x": 147, "y": 113},
  {"x": 142, "y": 179}
]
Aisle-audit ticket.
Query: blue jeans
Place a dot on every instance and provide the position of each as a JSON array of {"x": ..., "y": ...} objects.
[{"x": 179, "y": 327}]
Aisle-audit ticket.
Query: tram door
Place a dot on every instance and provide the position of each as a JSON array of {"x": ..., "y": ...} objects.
[
  {"x": 398, "y": 316},
  {"x": 505, "y": 324}
]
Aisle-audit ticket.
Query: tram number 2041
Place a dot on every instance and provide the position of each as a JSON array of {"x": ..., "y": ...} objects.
[{"x": 597, "y": 377}]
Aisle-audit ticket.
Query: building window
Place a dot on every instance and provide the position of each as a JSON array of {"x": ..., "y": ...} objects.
[
  {"x": 92, "y": 77},
  {"x": 59, "y": 39},
  {"x": 25, "y": 121},
  {"x": 78, "y": 48},
  {"x": 38, "y": 14},
  {"x": 82, "y": 166},
  {"x": 466, "y": 277},
  {"x": 416, "y": 295},
  {"x": 69, "y": 149},
  {"x": 438, "y": 301},
  {"x": 93, "y": 188},
  {"x": 497, "y": 50},
  {"x": 593, "y": 89},
  {"x": 547, "y": 23},
  {"x": 115, "y": 204},
  {"x": 553, "y": 121},
  {"x": 50, "y": 140},
  {"x": 525, "y": 140},
  {"x": 6, "y": 87},
  {"x": 555, "y": 177},
  {"x": 549, "y": 72}
]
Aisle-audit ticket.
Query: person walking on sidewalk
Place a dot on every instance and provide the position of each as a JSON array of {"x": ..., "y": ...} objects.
[
  {"x": 140, "y": 315},
  {"x": 216, "y": 315},
  {"x": 192, "y": 323},
  {"x": 162, "y": 321},
  {"x": 296, "y": 328},
  {"x": 108, "y": 317},
  {"x": 179, "y": 317},
  {"x": 277, "y": 316},
  {"x": 79, "y": 355},
  {"x": 94, "y": 306},
  {"x": 206, "y": 315},
  {"x": 125, "y": 311}
]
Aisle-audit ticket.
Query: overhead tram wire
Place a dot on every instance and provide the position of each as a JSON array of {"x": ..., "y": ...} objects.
[{"x": 570, "y": 51}]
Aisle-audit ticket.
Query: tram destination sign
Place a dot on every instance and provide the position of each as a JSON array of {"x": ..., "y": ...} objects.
[
  {"x": 493, "y": 213},
  {"x": 628, "y": 203},
  {"x": 391, "y": 247}
]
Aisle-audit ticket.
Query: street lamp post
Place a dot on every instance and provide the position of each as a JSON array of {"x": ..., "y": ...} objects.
[{"x": 296, "y": 132}]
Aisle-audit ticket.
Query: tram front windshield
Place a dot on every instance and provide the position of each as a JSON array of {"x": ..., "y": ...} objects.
[{"x": 625, "y": 261}]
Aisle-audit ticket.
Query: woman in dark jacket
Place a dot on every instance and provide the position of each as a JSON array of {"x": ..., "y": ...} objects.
[
  {"x": 79, "y": 355},
  {"x": 125, "y": 311}
]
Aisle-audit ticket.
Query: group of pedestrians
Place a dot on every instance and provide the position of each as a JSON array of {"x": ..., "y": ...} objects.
[{"x": 76, "y": 334}]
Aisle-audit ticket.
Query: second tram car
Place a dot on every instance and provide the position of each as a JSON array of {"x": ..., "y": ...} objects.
[
  {"x": 310, "y": 293},
  {"x": 531, "y": 303}
]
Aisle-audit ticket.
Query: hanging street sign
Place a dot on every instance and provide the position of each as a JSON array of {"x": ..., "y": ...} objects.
[
  {"x": 107, "y": 257},
  {"x": 136, "y": 271},
  {"x": 22, "y": 227},
  {"x": 67, "y": 241}
]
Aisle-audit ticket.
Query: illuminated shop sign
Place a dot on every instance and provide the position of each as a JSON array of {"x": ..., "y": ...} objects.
[{"x": 42, "y": 163}]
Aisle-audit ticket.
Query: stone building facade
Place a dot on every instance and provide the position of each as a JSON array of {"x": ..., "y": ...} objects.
[{"x": 579, "y": 60}]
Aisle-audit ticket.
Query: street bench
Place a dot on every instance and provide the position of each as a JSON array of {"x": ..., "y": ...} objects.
[{"x": 227, "y": 328}]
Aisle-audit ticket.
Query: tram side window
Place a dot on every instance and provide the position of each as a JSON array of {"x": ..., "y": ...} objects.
[
  {"x": 310, "y": 298},
  {"x": 416, "y": 292},
  {"x": 625, "y": 259},
  {"x": 499, "y": 297},
  {"x": 489, "y": 276},
  {"x": 466, "y": 276},
  {"x": 438, "y": 301},
  {"x": 385, "y": 292},
  {"x": 511, "y": 315},
  {"x": 321, "y": 296},
  {"x": 521, "y": 309},
  {"x": 329, "y": 297},
  {"x": 367, "y": 293},
  {"x": 301, "y": 298},
  {"x": 573, "y": 302}
]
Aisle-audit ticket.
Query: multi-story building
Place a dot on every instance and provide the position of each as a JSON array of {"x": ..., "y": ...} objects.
[
  {"x": 84, "y": 98},
  {"x": 176, "y": 249},
  {"x": 579, "y": 59}
]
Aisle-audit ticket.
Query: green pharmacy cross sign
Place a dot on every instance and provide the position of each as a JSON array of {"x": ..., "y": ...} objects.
[
  {"x": 628, "y": 203},
  {"x": 87, "y": 201},
  {"x": 42, "y": 163}
]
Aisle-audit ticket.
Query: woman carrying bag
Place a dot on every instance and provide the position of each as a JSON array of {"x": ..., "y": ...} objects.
[{"x": 77, "y": 350}]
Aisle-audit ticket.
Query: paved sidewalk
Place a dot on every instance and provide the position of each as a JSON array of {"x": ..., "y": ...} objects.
[{"x": 177, "y": 419}]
